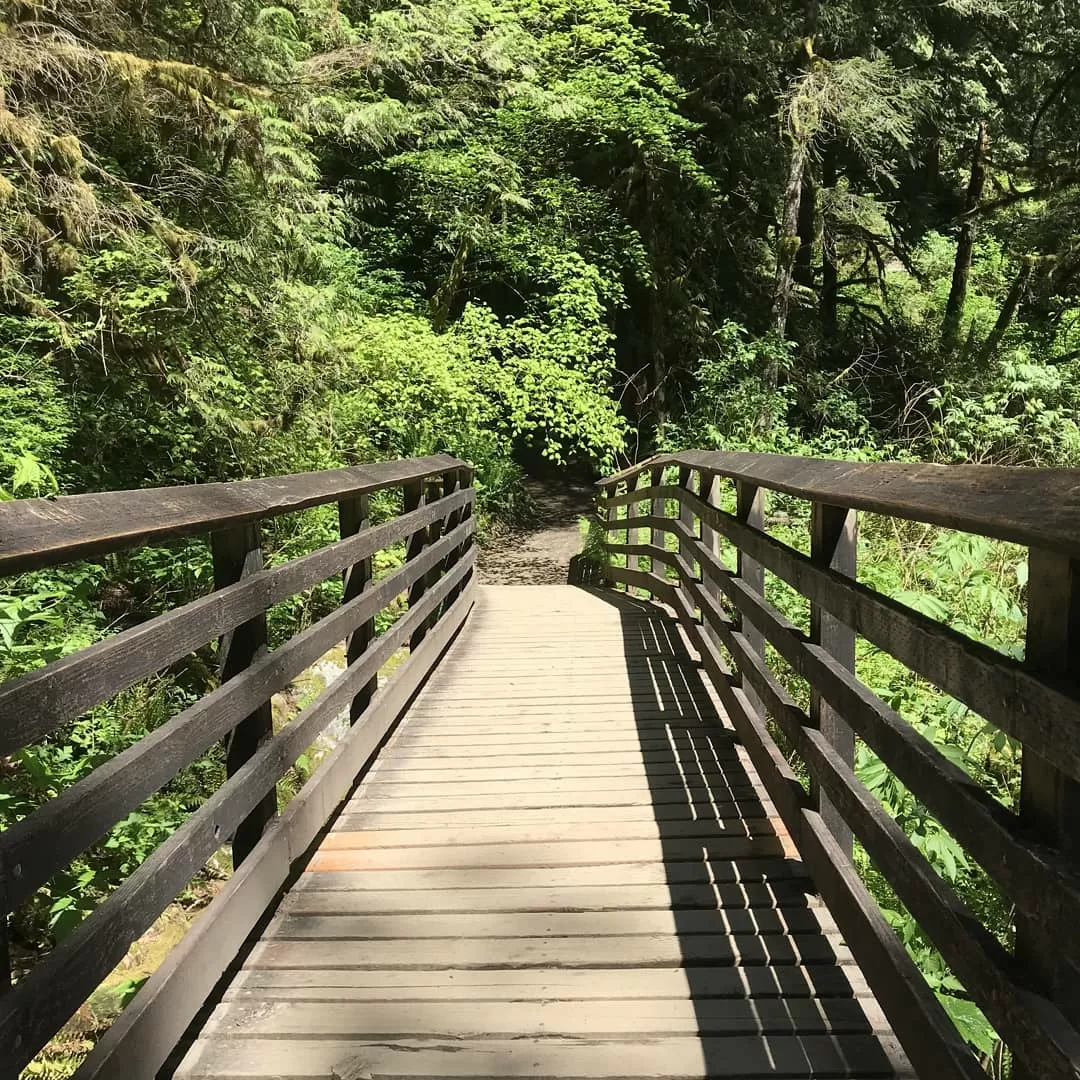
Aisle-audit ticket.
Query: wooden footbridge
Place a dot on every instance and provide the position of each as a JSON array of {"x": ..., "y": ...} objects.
[{"x": 562, "y": 839}]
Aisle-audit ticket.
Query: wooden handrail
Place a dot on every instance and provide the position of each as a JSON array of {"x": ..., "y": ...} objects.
[
  {"x": 1033, "y": 507},
  {"x": 44, "y": 532},
  {"x": 438, "y": 533},
  {"x": 1033, "y": 855}
]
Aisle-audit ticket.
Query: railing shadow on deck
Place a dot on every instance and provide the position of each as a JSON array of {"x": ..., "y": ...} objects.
[{"x": 745, "y": 917}]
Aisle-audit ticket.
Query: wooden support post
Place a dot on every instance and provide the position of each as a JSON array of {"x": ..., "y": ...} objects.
[
  {"x": 709, "y": 492},
  {"x": 353, "y": 517},
  {"x": 432, "y": 493},
  {"x": 750, "y": 510},
  {"x": 5, "y": 932},
  {"x": 833, "y": 544},
  {"x": 463, "y": 480},
  {"x": 237, "y": 552},
  {"x": 452, "y": 482},
  {"x": 612, "y": 514},
  {"x": 686, "y": 517},
  {"x": 657, "y": 537},
  {"x": 640, "y": 536},
  {"x": 413, "y": 499},
  {"x": 1049, "y": 798}
]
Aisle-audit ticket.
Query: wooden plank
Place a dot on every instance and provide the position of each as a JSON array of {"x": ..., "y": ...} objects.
[
  {"x": 142, "y": 1037},
  {"x": 44, "y": 532},
  {"x": 790, "y": 894},
  {"x": 564, "y": 770},
  {"x": 542, "y": 925},
  {"x": 60, "y": 983},
  {"x": 45, "y": 841},
  {"x": 613, "y": 951},
  {"x": 644, "y": 1017},
  {"x": 1036, "y": 507},
  {"x": 543, "y": 797},
  {"x": 742, "y": 1057},
  {"x": 237, "y": 553},
  {"x": 543, "y": 984},
  {"x": 650, "y": 873},
  {"x": 452, "y": 834},
  {"x": 673, "y": 820},
  {"x": 448, "y": 751},
  {"x": 659, "y": 789},
  {"x": 37, "y": 702},
  {"x": 435, "y": 747},
  {"x": 565, "y": 853}
]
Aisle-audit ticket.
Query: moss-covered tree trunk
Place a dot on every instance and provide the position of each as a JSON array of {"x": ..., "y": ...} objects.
[{"x": 954, "y": 307}]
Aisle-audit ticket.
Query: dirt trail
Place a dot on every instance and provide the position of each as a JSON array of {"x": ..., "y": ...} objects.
[{"x": 540, "y": 554}]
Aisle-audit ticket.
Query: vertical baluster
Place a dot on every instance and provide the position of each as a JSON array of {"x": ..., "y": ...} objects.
[
  {"x": 353, "y": 517},
  {"x": 237, "y": 553},
  {"x": 750, "y": 509},
  {"x": 689, "y": 522},
  {"x": 433, "y": 491},
  {"x": 640, "y": 536},
  {"x": 833, "y": 544},
  {"x": 612, "y": 514},
  {"x": 1049, "y": 798},
  {"x": 462, "y": 480},
  {"x": 413, "y": 499},
  {"x": 709, "y": 491},
  {"x": 5, "y": 940},
  {"x": 657, "y": 537},
  {"x": 451, "y": 483}
]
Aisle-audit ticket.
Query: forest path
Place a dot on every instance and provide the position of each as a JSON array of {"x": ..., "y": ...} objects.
[{"x": 540, "y": 553}]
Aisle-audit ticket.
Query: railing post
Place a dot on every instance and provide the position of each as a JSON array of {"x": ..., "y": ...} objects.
[
  {"x": 612, "y": 514},
  {"x": 5, "y": 932},
  {"x": 451, "y": 483},
  {"x": 353, "y": 517},
  {"x": 237, "y": 553},
  {"x": 413, "y": 499},
  {"x": 639, "y": 536},
  {"x": 834, "y": 545},
  {"x": 709, "y": 492},
  {"x": 657, "y": 537},
  {"x": 1049, "y": 798},
  {"x": 750, "y": 510},
  {"x": 462, "y": 480},
  {"x": 687, "y": 519}
]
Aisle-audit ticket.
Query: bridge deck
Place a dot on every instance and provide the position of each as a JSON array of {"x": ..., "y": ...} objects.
[{"x": 560, "y": 866}]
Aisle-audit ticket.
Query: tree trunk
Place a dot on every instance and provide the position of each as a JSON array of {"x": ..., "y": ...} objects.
[
  {"x": 804, "y": 257},
  {"x": 830, "y": 276},
  {"x": 1007, "y": 312},
  {"x": 787, "y": 244},
  {"x": 954, "y": 308}
]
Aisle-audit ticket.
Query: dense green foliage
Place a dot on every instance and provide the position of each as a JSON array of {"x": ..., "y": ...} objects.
[{"x": 239, "y": 239}]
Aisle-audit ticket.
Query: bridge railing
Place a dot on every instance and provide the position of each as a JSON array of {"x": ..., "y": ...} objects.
[
  {"x": 1030, "y": 993},
  {"x": 437, "y": 525}
]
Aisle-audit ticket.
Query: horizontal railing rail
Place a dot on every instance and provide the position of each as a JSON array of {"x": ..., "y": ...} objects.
[
  {"x": 437, "y": 527},
  {"x": 670, "y": 514}
]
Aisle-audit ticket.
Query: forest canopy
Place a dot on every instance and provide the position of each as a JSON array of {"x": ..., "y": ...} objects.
[{"x": 240, "y": 240}]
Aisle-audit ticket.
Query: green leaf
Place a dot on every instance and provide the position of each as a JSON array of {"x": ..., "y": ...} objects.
[{"x": 970, "y": 1022}]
